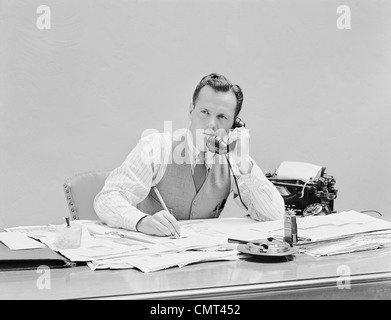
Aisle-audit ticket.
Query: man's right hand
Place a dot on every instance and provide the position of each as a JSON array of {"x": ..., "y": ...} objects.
[{"x": 161, "y": 224}]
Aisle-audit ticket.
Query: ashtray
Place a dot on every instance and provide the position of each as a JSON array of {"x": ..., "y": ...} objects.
[{"x": 268, "y": 247}]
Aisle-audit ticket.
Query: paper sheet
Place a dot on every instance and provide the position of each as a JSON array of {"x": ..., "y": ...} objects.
[
  {"x": 298, "y": 171},
  {"x": 242, "y": 229},
  {"x": 18, "y": 241}
]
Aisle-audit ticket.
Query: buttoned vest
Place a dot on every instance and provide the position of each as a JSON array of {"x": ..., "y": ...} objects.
[{"x": 179, "y": 193}]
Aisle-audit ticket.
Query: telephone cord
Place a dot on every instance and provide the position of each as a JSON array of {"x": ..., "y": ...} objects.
[{"x": 237, "y": 186}]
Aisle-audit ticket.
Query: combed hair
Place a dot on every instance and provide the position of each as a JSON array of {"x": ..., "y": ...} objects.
[{"x": 220, "y": 84}]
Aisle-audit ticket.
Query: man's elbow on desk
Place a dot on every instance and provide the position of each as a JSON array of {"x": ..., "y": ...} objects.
[
  {"x": 273, "y": 211},
  {"x": 98, "y": 208},
  {"x": 105, "y": 212}
]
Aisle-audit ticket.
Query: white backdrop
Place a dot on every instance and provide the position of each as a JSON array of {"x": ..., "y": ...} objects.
[{"x": 78, "y": 96}]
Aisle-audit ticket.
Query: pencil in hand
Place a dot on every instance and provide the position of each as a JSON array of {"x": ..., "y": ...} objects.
[{"x": 164, "y": 206}]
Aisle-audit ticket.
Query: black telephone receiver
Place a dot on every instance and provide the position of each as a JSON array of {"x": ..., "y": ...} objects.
[
  {"x": 238, "y": 123},
  {"x": 217, "y": 145}
]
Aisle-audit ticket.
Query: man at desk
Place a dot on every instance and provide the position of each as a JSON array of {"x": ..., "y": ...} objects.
[{"x": 191, "y": 181}]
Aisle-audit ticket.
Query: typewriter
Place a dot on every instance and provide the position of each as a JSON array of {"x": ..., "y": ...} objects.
[{"x": 306, "y": 189}]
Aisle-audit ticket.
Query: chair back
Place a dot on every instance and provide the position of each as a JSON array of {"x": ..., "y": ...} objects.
[{"x": 80, "y": 191}]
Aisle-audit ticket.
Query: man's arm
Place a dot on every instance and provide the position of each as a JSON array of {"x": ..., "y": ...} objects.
[
  {"x": 261, "y": 197},
  {"x": 130, "y": 184}
]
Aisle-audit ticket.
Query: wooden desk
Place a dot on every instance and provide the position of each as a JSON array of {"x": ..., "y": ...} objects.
[{"x": 303, "y": 277}]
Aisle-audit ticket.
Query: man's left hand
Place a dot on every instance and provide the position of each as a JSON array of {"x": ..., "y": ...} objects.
[{"x": 239, "y": 138}]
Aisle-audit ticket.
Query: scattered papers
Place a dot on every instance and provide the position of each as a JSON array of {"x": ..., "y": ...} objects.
[
  {"x": 189, "y": 240},
  {"x": 353, "y": 244},
  {"x": 242, "y": 229},
  {"x": 156, "y": 262},
  {"x": 18, "y": 241},
  {"x": 32, "y": 230},
  {"x": 112, "y": 264},
  {"x": 338, "y": 233},
  {"x": 98, "y": 249},
  {"x": 151, "y": 263},
  {"x": 104, "y": 247},
  {"x": 335, "y": 226}
]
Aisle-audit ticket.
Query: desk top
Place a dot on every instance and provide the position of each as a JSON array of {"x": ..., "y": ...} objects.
[{"x": 363, "y": 275}]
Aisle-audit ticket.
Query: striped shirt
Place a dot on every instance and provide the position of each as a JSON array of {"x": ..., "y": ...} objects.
[{"x": 144, "y": 167}]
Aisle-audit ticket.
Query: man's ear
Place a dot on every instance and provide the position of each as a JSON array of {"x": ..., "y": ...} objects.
[{"x": 191, "y": 108}]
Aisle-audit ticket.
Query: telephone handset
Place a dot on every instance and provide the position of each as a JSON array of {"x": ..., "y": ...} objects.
[
  {"x": 217, "y": 145},
  {"x": 238, "y": 123}
]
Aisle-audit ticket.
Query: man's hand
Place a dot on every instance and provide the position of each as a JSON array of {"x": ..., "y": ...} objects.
[
  {"x": 161, "y": 223},
  {"x": 240, "y": 154}
]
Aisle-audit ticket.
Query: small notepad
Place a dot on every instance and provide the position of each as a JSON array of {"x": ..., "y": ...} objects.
[{"x": 18, "y": 241}]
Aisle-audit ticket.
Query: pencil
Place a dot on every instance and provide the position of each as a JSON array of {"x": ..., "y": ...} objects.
[{"x": 162, "y": 201}]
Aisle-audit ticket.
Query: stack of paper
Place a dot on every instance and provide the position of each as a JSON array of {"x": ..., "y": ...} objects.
[
  {"x": 339, "y": 233},
  {"x": 159, "y": 261},
  {"x": 353, "y": 244},
  {"x": 335, "y": 226},
  {"x": 104, "y": 247}
]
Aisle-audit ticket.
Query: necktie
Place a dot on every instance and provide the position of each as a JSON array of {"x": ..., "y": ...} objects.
[{"x": 199, "y": 171}]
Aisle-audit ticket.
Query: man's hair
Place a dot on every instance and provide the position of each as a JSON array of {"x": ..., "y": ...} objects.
[{"x": 220, "y": 84}]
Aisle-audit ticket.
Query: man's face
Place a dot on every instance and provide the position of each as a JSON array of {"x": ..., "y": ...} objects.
[{"x": 213, "y": 112}]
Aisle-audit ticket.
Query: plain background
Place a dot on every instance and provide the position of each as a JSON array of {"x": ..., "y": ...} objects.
[{"x": 78, "y": 97}]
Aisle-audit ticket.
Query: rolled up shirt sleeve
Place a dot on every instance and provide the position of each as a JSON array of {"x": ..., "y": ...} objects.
[{"x": 261, "y": 197}]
